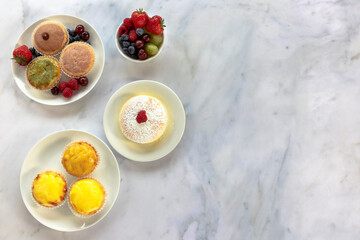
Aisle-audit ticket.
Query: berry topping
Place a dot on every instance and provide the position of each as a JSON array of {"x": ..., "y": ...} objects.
[
  {"x": 45, "y": 36},
  {"x": 122, "y": 30},
  {"x": 85, "y": 36},
  {"x": 79, "y": 29},
  {"x": 139, "y": 44},
  {"x": 155, "y": 25},
  {"x": 67, "y": 92},
  {"x": 139, "y": 18},
  {"x": 62, "y": 86},
  {"x": 22, "y": 55},
  {"x": 141, "y": 117},
  {"x": 128, "y": 23},
  {"x": 139, "y": 32},
  {"x": 73, "y": 84},
  {"x": 83, "y": 81},
  {"x": 55, "y": 91},
  {"x": 131, "y": 50},
  {"x": 146, "y": 38},
  {"x": 132, "y": 35},
  {"x": 142, "y": 54},
  {"x": 125, "y": 44}
]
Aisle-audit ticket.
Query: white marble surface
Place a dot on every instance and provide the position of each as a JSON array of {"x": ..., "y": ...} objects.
[{"x": 272, "y": 144}]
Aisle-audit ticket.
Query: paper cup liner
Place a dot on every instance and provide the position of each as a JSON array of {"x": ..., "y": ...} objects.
[
  {"x": 65, "y": 196},
  {"x": 97, "y": 154},
  {"x": 58, "y": 53},
  {"x": 27, "y": 80},
  {"x": 86, "y": 215},
  {"x": 77, "y": 76}
]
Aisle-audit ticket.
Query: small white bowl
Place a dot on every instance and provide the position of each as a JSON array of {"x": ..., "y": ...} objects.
[{"x": 129, "y": 58}]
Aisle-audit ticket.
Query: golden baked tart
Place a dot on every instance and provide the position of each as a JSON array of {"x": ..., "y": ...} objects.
[
  {"x": 86, "y": 196},
  {"x": 77, "y": 59},
  {"x": 49, "y": 189},
  {"x": 79, "y": 159},
  {"x": 50, "y": 38},
  {"x": 43, "y": 73},
  {"x": 143, "y": 119}
]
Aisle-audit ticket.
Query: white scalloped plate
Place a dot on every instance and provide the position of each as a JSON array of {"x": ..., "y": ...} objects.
[
  {"x": 46, "y": 155},
  {"x": 45, "y": 97},
  {"x": 145, "y": 152}
]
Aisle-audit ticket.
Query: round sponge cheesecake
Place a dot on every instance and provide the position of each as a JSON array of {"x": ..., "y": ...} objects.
[
  {"x": 50, "y": 38},
  {"x": 143, "y": 119},
  {"x": 86, "y": 196},
  {"x": 77, "y": 59},
  {"x": 49, "y": 189},
  {"x": 43, "y": 73},
  {"x": 80, "y": 159}
]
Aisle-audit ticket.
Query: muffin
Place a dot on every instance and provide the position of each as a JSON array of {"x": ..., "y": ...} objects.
[
  {"x": 143, "y": 119},
  {"x": 79, "y": 159},
  {"x": 86, "y": 196},
  {"x": 50, "y": 38},
  {"x": 77, "y": 59},
  {"x": 49, "y": 189},
  {"x": 43, "y": 73}
]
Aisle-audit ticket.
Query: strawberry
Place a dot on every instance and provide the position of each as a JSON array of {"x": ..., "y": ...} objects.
[
  {"x": 22, "y": 55},
  {"x": 155, "y": 25},
  {"x": 122, "y": 30},
  {"x": 128, "y": 23},
  {"x": 132, "y": 35},
  {"x": 139, "y": 18}
]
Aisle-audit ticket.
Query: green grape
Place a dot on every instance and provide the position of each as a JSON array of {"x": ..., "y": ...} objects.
[
  {"x": 156, "y": 39},
  {"x": 151, "y": 49}
]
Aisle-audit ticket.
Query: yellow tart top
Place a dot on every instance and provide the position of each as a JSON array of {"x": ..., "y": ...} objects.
[
  {"x": 79, "y": 159},
  {"x": 87, "y": 196},
  {"x": 49, "y": 188}
]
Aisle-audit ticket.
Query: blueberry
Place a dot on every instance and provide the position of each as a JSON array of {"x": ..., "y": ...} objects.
[
  {"x": 71, "y": 39},
  {"x": 72, "y": 33},
  {"x": 37, "y": 54},
  {"x": 139, "y": 32},
  {"x": 133, "y": 44},
  {"x": 131, "y": 50},
  {"x": 125, "y": 44},
  {"x": 32, "y": 50},
  {"x": 134, "y": 56},
  {"x": 125, "y": 50},
  {"x": 77, "y": 38},
  {"x": 124, "y": 37}
]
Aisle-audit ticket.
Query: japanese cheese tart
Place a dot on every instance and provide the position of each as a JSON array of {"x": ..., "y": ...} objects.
[
  {"x": 50, "y": 38},
  {"x": 80, "y": 159},
  {"x": 86, "y": 196},
  {"x": 143, "y": 119},
  {"x": 49, "y": 189}
]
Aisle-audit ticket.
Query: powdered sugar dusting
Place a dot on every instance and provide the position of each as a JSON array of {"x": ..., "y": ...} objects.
[{"x": 148, "y": 131}]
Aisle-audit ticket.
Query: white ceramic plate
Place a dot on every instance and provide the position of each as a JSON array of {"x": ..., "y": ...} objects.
[
  {"x": 45, "y": 97},
  {"x": 46, "y": 155},
  {"x": 172, "y": 135}
]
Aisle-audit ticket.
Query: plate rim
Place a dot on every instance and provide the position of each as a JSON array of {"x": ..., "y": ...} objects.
[
  {"x": 44, "y": 102},
  {"x": 183, "y": 114},
  {"x": 41, "y": 140}
]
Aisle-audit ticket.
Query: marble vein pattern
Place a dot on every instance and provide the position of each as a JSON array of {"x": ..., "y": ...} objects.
[{"x": 271, "y": 149}]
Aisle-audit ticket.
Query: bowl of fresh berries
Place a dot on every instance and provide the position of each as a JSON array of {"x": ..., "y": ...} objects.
[{"x": 140, "y": 38}]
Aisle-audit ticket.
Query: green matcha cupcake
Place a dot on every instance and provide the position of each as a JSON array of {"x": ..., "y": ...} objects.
[{"x": 43, "y": 73}]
